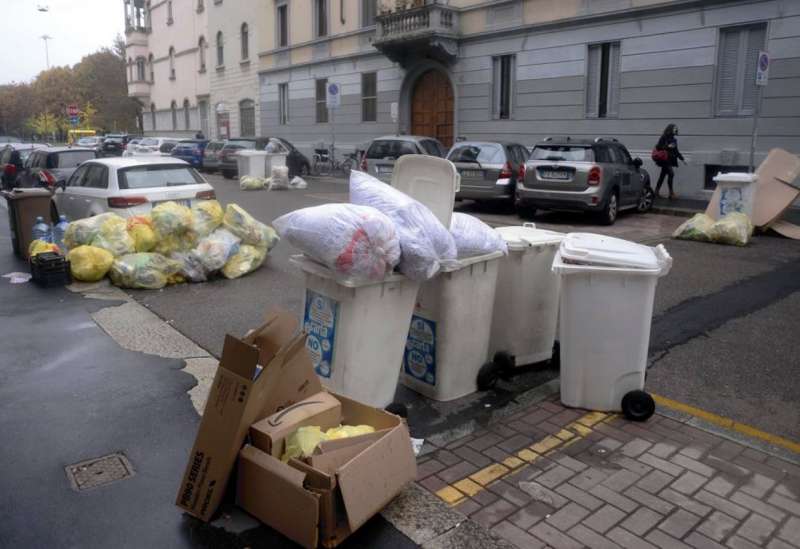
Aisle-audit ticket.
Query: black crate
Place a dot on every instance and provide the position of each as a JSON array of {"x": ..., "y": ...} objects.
[{"x": 50, "y": 270}]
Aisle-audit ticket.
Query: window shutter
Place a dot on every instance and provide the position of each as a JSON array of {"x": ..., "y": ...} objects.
[
  {"x": 613, "y": 80},
  {"x": 496, "y": 87},
  {"x": 593, "y": 80},
  {"x": 755, "y": 43},
  {"x": 727, "y": 72}
]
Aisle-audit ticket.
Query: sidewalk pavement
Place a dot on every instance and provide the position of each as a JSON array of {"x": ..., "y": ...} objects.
[
  {"x": 687, "y": 207},
  {"x": 559, "y": 477}
]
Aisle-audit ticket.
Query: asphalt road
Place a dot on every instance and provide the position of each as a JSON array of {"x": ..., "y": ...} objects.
[{"x": 725, "y": 331}]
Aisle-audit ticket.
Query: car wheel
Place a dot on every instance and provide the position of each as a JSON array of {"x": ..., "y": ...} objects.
[
  {"x": 608, "y": 215},
  {"x": 645, "y": 203},
  {"x": 638, "y": 406}
]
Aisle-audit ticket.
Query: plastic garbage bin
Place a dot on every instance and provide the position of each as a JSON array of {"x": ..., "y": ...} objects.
[
  {"x": 736, "y": 192},
  {"x": 448, "y": 340},
  {"x": 24, "y": 206},
  {"x": 251, "y": 163},
  {"x": 525, "y": 312},
  {"x": 273, "y": 160},
  {"x": 607, "y": 290},
  {"x": 357, "y": 331}
]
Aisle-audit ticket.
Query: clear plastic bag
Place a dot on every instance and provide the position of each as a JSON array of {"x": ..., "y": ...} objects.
[
  {"x": 356, "y": 242},
  {"x": 424, "y": 242},
  {"x": 697, "y": 228},
  {"x": 214, "y": 250},
  {"x": 171, "y": 218},
  {"x": 279, "y": 178},
  {"x": 207, "y": 216},
  {"x": 146, "y": 271},
  {"x": 734, "y": 229},
  {"x": 140, "y": 228},
  {"x": 40, "y": 246},
  {"x": 175, "y": 242},
  {"x": 246, "y": 260},
  {"x": 89, "y": 263},
  {"x": 250, "y": 230},
  {"x": 192, "y": 268},
  {"x": 298, "y": 182},
  {"x": 474, "y": 237},
  {"x": 83, "y": 231},
  {"x": 112, "y": 235},
  {"x": 250, "y": 183}
]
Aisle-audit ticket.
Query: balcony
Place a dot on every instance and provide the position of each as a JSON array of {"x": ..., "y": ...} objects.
[
  {"x": 428, "y": 30},
  {"x": 139, "y": 89}
]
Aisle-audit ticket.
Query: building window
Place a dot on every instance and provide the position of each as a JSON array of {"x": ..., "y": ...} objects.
[
  {"x": 153, "y": 115},
  {"x": 187, "y": 116},
  {"x": 202, "y": 107},
  {"x": 602, "y": 81},
  {"x": 130, "y": 69},
  {"x": 201, "y": 5},
  {"x": 141, "y": 73},
  {"x": 282, "y": 33},
  {"x": 151, "y": 68},
  {"x": 368, "y": 12},
  {"x": 220, "y": 50},
  {"x": 170, "y": 20},
  {"x": 223, "y": 125},
  {"x": 502, "y": 86},
  {"x": 174, "y": 108},
  {"x": 283, "y": 104},
  {"x": 322, "y": 108},
  {"x": 736, "y": 69},
  {"x": 247, "y": 118},
  {"x": 201, "y": 50},
  {"x": 369, "y": 97},
  {"x": 245, "y": 42},
  {"x": 320, "y": 18},
  {"x": 171, "y": 63}
]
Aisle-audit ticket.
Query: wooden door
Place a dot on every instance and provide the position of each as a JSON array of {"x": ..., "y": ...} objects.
[{"x": 432, "y": 107}]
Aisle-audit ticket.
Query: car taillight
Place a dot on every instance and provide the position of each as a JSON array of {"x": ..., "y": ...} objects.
[
  {"x": 126, "y": 201},
  {"x": 595, "y": 174},
  {"x": 507, "y": 171},
  {"x": 10, "y": 170},
  {"x": 364, "y": 166},
  {"x": 206, "y": 195},
  {"x": 47, "y": 179},
  {"x": 521, "y": 173}
]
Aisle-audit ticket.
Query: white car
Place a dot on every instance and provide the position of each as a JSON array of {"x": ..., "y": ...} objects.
[
  {"x": 128, "y": 187},
  {"x": 151, "y": 146}
]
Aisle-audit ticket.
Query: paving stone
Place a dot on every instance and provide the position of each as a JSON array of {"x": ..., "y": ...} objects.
[
  {"x": 791, "y": 531},
  {"x": 663, "y": 450},
  {"x": 727, "y": 450},
  {"x": 609, "y": 444},
  {"x": 652, "y": 501},
  {"x": 617, "y": 435},
  {"x": 755, "y": 455},
  {"x": 485, "y": 497},
  {"x": 660, "y": 464},
  {"x": 460, "y": 442},
  {"x": 695, "y": 450},
  {"x": 531, "y": 514},
  {"x": 496, "y": 454},
  {"x": 692, "y": 465},
  {"x": 526, "y": 472},
  {"x": 468, "y": 507},
  {"x": 591, "y": 539},
  {"x": 758, "y": 485},
  {"x": 699, "y": 541},
  {"x": 689, "y": 483},
  {"x": 605, "y": 518},
  {"x": 433, "y": 484},
  {"x": 476, "y": 458},
  {"x": 721, "y": 504},
  {"x": 720, "y": 486},
  {"x": 778, "y": 544},
  {"x": 589, "y": 478},
  {"x": 641, "y": 521},
  {"x": 570, "y": 463},
  {"x": 621, "y": 480},
  {"x": 515, "y": 443},
  {"x": 718, "y": 526},
  {"x": 757, "y": 529},
  {"x": 759, "y": 467},
  {"x": 684, "y": 502},
  {"x": 494, "y": 513},
  {"x": 483, "y": 442},
  {"x": 758, "y": 506},
  {"x": 555, "y": 476},
  {"x": 447, "y": 457},
  {"x": 735, "y": 542},
  {"x": 784, "y": 503},
  {"x": 679, "y": 523},
  {"x": 615, "y": 499},
  {"x": 565, "y": 417},
  {"x": 631, "y": 464},
  {"x": 568, "y": 516},
  {"x": 510, "y": 493},
  {"x": 527, "y": 429},
  {"x": 457, "y": 472},
  {"x": 655, "y": 481},
  {"x": 735, "y": 473},
  {"x": 665, "y": 541},
  {"x": 504, "y": 431},
  {"x": 635, "y": 447},
  {"x": 429, "y": 468},
  {"x": 579, "y": 496},
  {"x": 520, "y": 538},
  {"x": 789, "y": 488},
  {"x": 542, "y": 493},
  {"x": 553, "y": 537},
  {"x": 551, "y": 406},
  {"x": 628, "y": 540},
  {"x": 537, "y": 416}
]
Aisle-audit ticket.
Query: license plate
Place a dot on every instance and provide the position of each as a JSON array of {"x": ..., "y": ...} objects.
[
  {"x": 472, "y": 173},
  {"x": 384, "y": 169},
  {"x": 555, "y": 174},
  {"x": 180, "y": 202}
]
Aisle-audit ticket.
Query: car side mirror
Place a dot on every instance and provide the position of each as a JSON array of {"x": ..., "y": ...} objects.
[{"x": 637, "y": 162}]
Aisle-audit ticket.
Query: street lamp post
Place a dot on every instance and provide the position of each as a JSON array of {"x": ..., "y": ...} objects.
[{"x": 46, "y": 37}]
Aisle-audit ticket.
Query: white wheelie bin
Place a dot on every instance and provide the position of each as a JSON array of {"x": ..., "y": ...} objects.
[
  {"x": 607, "y": 290},
  {"x": 357, "y": 331},
  {"x": 251, "y": 163}
]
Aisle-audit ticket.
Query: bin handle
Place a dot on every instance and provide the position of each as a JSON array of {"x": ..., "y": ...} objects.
[
  {"x": 664, "y": 259},
  {"x": 529, "y": 225}
]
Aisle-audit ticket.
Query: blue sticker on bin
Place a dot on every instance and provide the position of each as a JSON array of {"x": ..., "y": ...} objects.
[
  {"x": 419, "y": 359},
  {"x": 319, "y": 322}
]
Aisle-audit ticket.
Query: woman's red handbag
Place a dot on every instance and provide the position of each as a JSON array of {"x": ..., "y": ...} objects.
[{"x": 659, "y": 155}]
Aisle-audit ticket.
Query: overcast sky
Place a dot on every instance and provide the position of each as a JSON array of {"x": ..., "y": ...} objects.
[{"x": 78, "y": 28}]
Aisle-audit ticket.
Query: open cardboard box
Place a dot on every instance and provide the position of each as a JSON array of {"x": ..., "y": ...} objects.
[{"x": 268, "y": 371}]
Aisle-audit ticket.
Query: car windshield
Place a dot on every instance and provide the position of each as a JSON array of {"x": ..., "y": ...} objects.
[
  {"x": 148, "y": 142},
  {"x": 167, "y": 146},
  {"x": 386, "y": 148},
  {"x": 72, "y": 159},
  {"x": 148, "y": 176},
  {"x": 24, "y": 154},
  {"x": 484, "y": 153},
  {"x": 572, "y": 153},
  {"x": 240, "y": 144}
]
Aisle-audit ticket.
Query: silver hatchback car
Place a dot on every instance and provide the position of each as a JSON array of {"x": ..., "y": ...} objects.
[
  {"x": 489, "y": 170},
  {"x": 598, "y": 176},
  {"x": 382, "y": 153}
]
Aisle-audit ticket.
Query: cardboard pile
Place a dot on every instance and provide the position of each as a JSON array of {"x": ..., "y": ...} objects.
[{"x": 266, "y": 386}]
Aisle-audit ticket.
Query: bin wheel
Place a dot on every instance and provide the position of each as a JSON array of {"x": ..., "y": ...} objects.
[
  {"x": 638, "y": 406},
  {"x": 504, "y": 364},
  {"x": 488, "y": 376},
  {"x": 555, "y": 360},
  {"x": 398, "y": 409}
]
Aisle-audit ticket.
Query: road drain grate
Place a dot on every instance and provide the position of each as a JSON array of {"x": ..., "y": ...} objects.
[{"x": 96, "y": 472}]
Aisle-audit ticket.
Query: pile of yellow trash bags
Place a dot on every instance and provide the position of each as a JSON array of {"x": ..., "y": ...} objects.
[
  {"x": 734, "y": 229},
  {"x": 173, "y": 244}
]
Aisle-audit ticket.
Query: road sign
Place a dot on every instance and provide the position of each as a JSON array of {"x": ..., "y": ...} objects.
[
  {"x": 393, "y": 110},
  {"x": 72, "y": 110},
  {"x": 333, "y": 97},
  {"x": 762, "y": 70},
  {"x": 73, "y": 120}
]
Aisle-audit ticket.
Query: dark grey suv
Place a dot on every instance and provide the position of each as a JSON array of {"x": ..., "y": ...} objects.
[{"x": 597, "y": 176}]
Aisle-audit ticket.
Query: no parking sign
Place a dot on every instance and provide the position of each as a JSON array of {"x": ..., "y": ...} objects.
[
  {"x": 333, "y": 97},
  {"x": 762, "y": 69}
]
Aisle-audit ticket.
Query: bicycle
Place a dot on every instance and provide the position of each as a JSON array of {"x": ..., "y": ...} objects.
[{"x": 324, "y": 162}]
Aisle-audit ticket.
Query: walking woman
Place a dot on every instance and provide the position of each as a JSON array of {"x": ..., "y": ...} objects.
[{"x": 666, "y": 156}]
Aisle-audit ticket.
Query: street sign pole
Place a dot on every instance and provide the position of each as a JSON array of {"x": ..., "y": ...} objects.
[
  {"x": 755, "y": 130},
  {"x": 762, "y": 77},
  {"x": 333, "y": 98}
]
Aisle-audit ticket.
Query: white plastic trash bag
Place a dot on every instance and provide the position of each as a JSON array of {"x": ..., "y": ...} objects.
[
  {"x": 298, "y": 182},
  {"x": 356, "y": 242},
  {"x": 474, "y": 237},
  {"x": 279, "y": 180},
  {"x": 425, "y": 243},
  {"x": 214, "y": 250},
  {"x": 191, "y": 267}
]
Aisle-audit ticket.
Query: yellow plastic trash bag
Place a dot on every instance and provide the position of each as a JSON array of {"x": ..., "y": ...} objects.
[
  {"x": 145, "y": 270},
  {"x": 171, "y": 218},
  {"x": 347, "y": 431},
  {"x": 89, "y": 263},
  {"x": 302, "y": 442},
  {"x": 175, "y": 242},
  {"x": 697, "y": 228},
  {"x": 40, "y": 246},
  {"x": 113, "y": 236},
  {"x": 141, "y": 230},
  {"x": 735, "y": 229},
  {"x": 250, "y": 183},
  {"x": 246, "y": 260},
  {"x": 207, "y": 217},
  {"x": 214, "y": 250},
  {"x": 83, "y": 231},
  {"x": 250, "y": 230}
]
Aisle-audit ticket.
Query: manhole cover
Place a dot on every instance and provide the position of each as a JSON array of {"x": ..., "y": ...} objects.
[{"x": 99, "y": 471}]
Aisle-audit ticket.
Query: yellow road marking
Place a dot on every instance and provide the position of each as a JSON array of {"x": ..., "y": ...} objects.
[
  {"x": 450, "y": 495},
  {"x": 468, "y": 487},
  {"x": 727, "y": 423},
  {"x": 591, "y": 418},
  {"x": 489, "y": 474},
  {"x": 565, "y": 435},
  {"x": 547, "y": 443},
  {"x": 527, "y": 455},
  {"x": 512, "y": 462}
]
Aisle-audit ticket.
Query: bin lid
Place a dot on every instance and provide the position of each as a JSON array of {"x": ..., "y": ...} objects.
[
  {"x": 607, "y": 251},
  {"x": 735, "y": 177},
  {"x": 527, "y": 236},
  {"x": 429, "y": 180}
]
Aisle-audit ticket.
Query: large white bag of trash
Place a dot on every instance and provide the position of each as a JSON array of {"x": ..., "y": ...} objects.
[
  {"x": 424, "y": 242},
  {"x": 171, "y": 218},
  {"x": 697, "y": 228},
  {"x": 356, "y": 242},
  {"x": 146, "y": 271},
  {"x": 298, "y": 182},
  {"x": 279, "y": 180},
  {"x": 735, "y": 229},
  {"x": 112, "y": 235},
  {"x": 250, "y": 230},
  {"x": 214, "y": 250},
  {"x": 474, "y": 237},
  {"x": 251, "y": 183},
  {"x": 207, "y": 217}
]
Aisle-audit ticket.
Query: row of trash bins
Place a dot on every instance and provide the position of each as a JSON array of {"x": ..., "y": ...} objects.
[{"x": 440, "y": 328}]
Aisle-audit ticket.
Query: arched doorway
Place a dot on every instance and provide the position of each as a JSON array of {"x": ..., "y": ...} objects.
[{"x": 432, "y": 107}]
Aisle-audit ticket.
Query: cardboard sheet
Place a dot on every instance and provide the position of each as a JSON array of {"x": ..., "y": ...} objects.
[{"x": 784, "y": 228}]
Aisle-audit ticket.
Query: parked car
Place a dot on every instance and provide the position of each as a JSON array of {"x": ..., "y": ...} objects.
[
  {"x": 297, "y": 162},
  {"x": 128, "y": 187},
  {"x": 12, "y": 160},
  {"x": 383, "y": 151},
  {"x": 489, "y": 170},
  {"x": 46, "y": 167},
  {"x": 598, "y": 176},
  {"x": 149, "y": 146},
  {"x": 211, "y": 156},
  {"x": 114, "y": 145},
  {"x": 191, "y": 150},
  {"x": 92, "y": 141}
]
